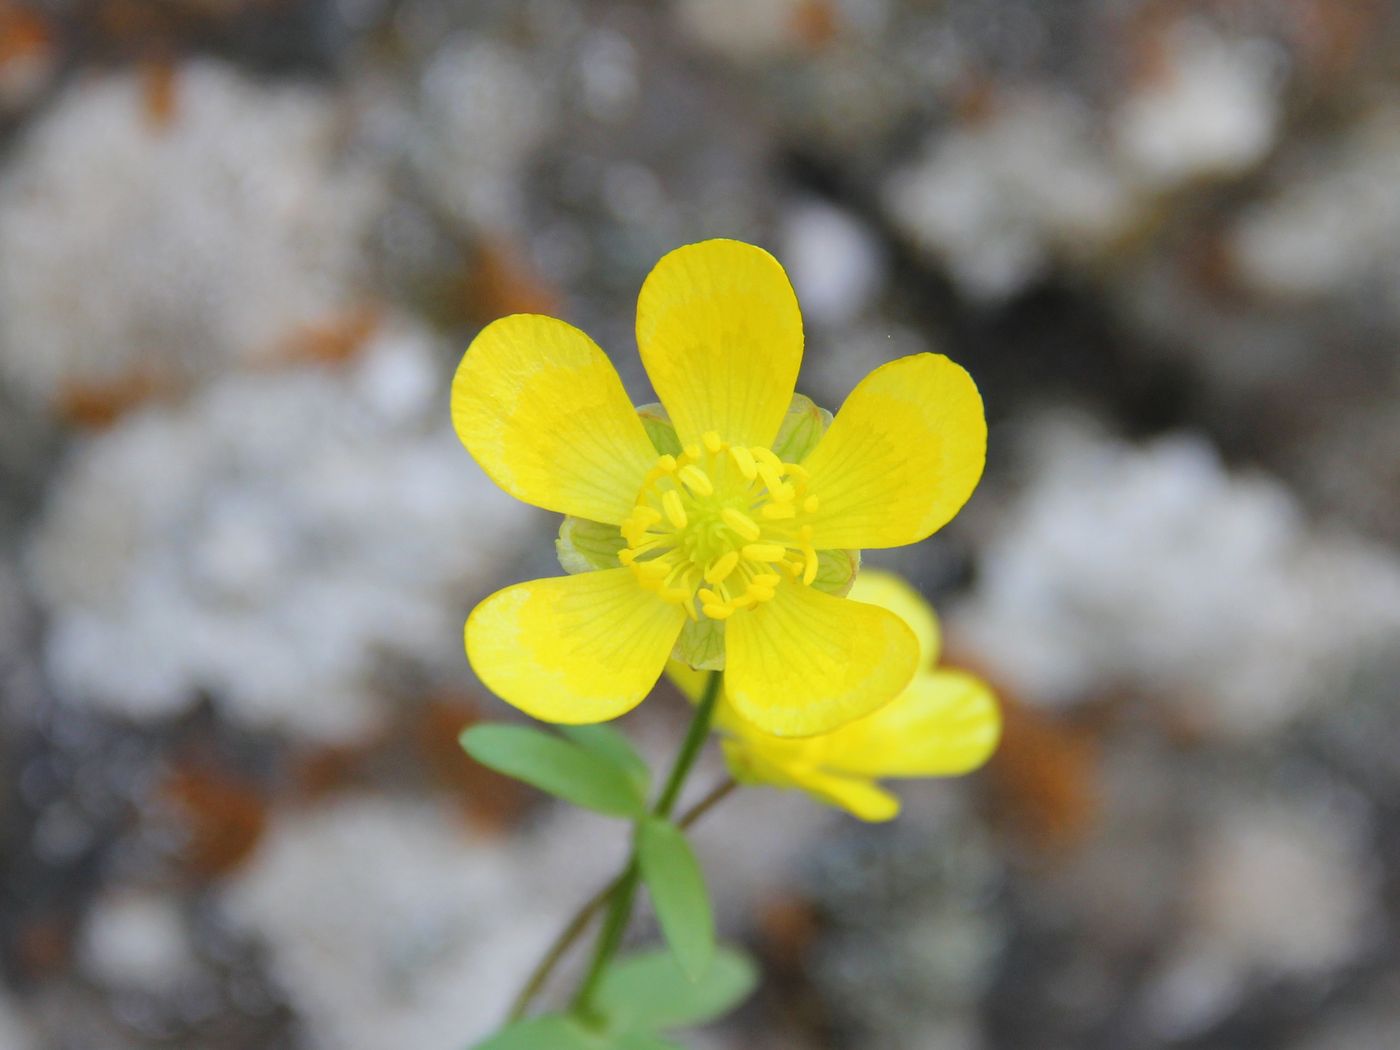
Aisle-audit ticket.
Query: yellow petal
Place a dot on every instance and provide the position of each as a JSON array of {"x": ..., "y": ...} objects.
[
  {"x": 573, "y": 649},
  {"x": 894, "y": 593},
  {"x": 544, "y": 413},
  {"x": 720, "y": 334},
  {"x": 945, "y": 723},
  {"x": 902, "y": 456},
  {"x": 806, "y": 662},
  {"x": 857, "y": 795}
]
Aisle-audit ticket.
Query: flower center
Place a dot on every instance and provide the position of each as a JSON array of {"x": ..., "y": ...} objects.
[{"x": 719, "y": 526}]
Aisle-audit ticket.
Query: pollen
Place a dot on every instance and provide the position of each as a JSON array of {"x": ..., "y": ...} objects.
[{"x": 719, "y": 528}]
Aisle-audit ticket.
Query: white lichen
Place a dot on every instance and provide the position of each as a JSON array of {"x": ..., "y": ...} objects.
[
  {"x": 1157, "y": 569},
  {"x": 269, "y": 543},
  {"x": 140, "y": 250}
]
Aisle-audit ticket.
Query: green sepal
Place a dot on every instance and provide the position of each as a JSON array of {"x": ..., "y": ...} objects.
[
  {"x": 587, "y": 546},
  {"x": 801, "y": 429},
  {"x": 559, "y": 767},
  {"x": 677, "y": 887},
  {"x": 701, "y": 645},
  {"x": 658, "y": 426},
  {"x": 649, "y": 992},
  {"x": 836, "y": 571},
  {"x": 612, "y": 746}
]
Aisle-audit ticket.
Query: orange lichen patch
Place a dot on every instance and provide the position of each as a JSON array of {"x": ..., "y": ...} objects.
[
  {"x": 327, "y": 770},
  {"x": 224, "y": 818},
  {"x": 27, "y": 57},
  {"x": 100, "y": 404},
  {"x": 492, "y": 803},
  {"x": 977, "y": 99},
  {"x": 816, "y": 23},
  {"x": 43, "y": 946},
  {"x": 333, "y": 341},
  {"x": 160, "y": 93},
  {"x": 1330, "y": 36},
  {"x": 1044, "y": 778},
  {"x": 788, "y": 927},
  {"x": 501, "y": 281},
  {"x": 131, "y": 20}
]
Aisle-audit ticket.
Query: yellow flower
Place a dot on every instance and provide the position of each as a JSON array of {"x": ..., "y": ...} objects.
[
  {"x": 945, "y": 723},
  {"x": 692, "y": 517}
]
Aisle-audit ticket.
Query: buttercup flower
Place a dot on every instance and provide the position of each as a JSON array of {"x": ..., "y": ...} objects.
[
  {"x": 945, "y": 723},
  {"x": 725, "y": 519}
]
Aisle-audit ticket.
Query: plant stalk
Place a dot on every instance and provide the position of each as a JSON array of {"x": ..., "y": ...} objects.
[{"x": 625, "y": 890}]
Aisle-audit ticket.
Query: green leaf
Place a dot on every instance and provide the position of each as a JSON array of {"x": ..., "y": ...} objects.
[
  {"x": 801, "y": 429},
  {"x": 550, "y": 1032},
  {"x": 649, "y": 992},
  {"x": 677, "y": 889},
  {"x": 557, "y": 766},
  {"x": 585, "y": 546},
  {"x": 643, "y": 1041},
  {"x": 658, "y": 426},
  {"x": 612, "y": 746}
]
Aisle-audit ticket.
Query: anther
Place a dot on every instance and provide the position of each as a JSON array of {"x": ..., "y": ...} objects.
[
  {"x": 667, "y": 463},
  {"x": 675, "y": 512},
  {"x": 654, "y": 570},
  {"x": 718, "y": 612},
  {"x": 697, "y": 481},
  {"x": 777, "y": 487},
  {"x": 722, "y": 566},
  {"x": 743, "y": 459},
  {"x": 741, "y": 523},
  {"x": 712, "y": 440}
]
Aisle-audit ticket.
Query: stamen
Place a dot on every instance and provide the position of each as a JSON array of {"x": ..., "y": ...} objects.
[
  {"x": 777, "y": 487},
  {"x": 809, "y": 554},
  {"x": 712, "y": 440},
  {"x": 764, "y": 552},
  {"x": 741, "y": 523},
  {"x": 657, "y": 570},
  {"x": 743, "y": 459},
  {"x": 718, "y": 612},
  {"x": 778, "y": 511},
  {"x": 675, "y": 512},
  {"x": 721, "y": 567},
  {"x": 697, "y": 481}
]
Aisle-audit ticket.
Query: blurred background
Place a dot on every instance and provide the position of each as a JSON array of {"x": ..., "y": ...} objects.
[{"x": 242, "y": 244}]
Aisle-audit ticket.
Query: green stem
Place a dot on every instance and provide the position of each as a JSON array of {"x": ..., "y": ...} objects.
[
  {"x": 620, "y": 908},
  {"x": 575, "y": 927}
]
